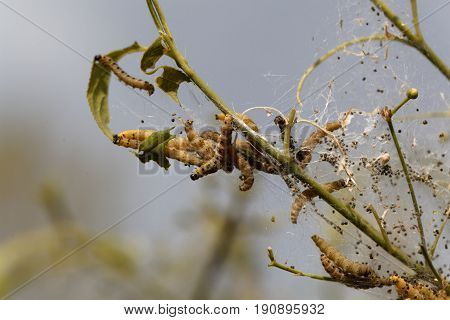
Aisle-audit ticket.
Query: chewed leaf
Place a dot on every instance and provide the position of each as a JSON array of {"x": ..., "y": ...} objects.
[
  {"x": 152, "y": 55},
  {"x": 152, "y": 148},
  {"x": 170, "y": 81},
  {"x": 97, "y": 93}
]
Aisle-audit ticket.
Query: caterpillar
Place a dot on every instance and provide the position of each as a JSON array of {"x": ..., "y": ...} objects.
[
  {"x": 131, "y": 138},
  {"x": 110, "y": 64},
  {"x": 371, "y": 281},
  {"x": 304, "y": 155},
  {"x": 306, "y": 196},
  {"x": 177, "y": 148},
  {"x": 203, "y": 147},
  {"x": 224, "y": 155},
  {"x": 246, "y": 119},
  {"x": 406, "y": 290},
  {"x": 247, "y": 173},
  {"x": 225, "y": 148},
  {"x": 349, "y": 267}
]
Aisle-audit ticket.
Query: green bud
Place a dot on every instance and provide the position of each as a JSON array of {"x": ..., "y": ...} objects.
[{"x": 412, "y": 93}]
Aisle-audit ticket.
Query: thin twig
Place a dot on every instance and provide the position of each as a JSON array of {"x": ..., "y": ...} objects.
[
  {"x": 371, "y": 208},
  {"x": 276, "y": 264},
  {"x": 431, "y": 266},
  {"x": 415, "y": 19},
  {"x": 287, "y": 131},
  {"x": 438, "y": 235}
]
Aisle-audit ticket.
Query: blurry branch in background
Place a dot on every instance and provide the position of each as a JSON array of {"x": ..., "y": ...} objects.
[
  {"x": 22, "y": 262},
  {"x": 230, "y": 248},
  {"x": 220, "y": 251}
]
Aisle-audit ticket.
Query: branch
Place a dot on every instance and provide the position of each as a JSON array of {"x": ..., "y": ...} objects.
[
  {"x": 416, "y": 40},
  {"x": 276, "y": 264},
  {"x": 286, "y": 161},
  {"x": 415, "y": 19},
  {"x": 371, "y": 208},
  {"x": 387, "y": 115},
  {"x": 441, "y": 229},
  {"x": 287, "y": 132}
]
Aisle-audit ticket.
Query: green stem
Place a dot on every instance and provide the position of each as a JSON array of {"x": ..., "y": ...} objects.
[
  {"x": 287, "y": 131},
  {"x": 276, "y": 264},
  {"x": 412, "y": 193},
  {"x": 441, "y": 229},
  {"x": 380, "y": 224},
  {"x": 415, "y": 19},
  {"x": 287, "y": 162},
  {"x": 416, "y": 40},
  {"x": 431, "y": 266},
  {"x": 401, "y": 104}
]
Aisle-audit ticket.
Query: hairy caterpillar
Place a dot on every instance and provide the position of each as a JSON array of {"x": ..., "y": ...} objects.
[
  {"x": 349, "y": 267},
  {"x": 306, "y": 196},
  {"x": 109, "y": 63}
]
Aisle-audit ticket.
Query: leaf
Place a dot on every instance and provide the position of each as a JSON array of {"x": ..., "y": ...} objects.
[
  {"x": 152, "y": 55},
  {"x": 97, "y": 93},
  {"x": 152, "y": 148},
  {"x": 170, "y": 81}
]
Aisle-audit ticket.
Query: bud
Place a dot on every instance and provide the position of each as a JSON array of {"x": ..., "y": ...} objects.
[{"x": 412, "y": 93}]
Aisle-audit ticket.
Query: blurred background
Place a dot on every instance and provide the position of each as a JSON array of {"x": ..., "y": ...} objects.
[{"x": 81, "y": 219}]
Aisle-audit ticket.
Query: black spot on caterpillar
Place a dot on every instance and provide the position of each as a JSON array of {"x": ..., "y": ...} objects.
[{"x": 110, "y": 64}]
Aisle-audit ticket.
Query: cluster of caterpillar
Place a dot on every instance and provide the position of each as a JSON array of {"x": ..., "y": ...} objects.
[
  {"x": 350, "y": 273},
  {"x": 416, "y": 291},
  {"x": 209, "y": 151},
  {"x": 110, "y": 64}
]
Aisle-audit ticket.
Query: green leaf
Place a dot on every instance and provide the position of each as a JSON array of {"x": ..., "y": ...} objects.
[
  {"x": 152, "y": 55},
  {"x": 170, "y": 81},
  {"x": 152, "y": 148},
  {"x": 97, "y": 93}
]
